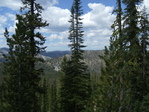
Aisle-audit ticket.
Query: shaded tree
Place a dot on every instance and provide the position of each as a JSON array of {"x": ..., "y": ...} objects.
[
  {"x": 76, "y": 87},
  {"x": 54, "y": 97},
  {"x": 22, "y": 77},
  {"x": 125, "y": 61},
  {"x": 111, "y": 85}
]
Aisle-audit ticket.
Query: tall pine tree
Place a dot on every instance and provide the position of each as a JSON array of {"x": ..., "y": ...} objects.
[
  {"x": 125, "y": 74},
  {"x": 111, "y": 83},
  {"x": 76, "y": 87},
  {"x": 22, "y": 77},
  {"x": 132, "y": 33}
]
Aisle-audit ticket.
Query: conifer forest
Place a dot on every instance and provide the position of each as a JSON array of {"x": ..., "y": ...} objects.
[{"x": 122, "y": 85}]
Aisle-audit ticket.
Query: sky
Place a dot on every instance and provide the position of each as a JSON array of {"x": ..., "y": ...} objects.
[{"x": 97, "y": 19}]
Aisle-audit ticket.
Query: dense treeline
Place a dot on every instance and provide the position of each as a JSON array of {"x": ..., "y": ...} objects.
[
  {"x": 124, "y": 81},
  {"x": 22, "y": 79},
  {"x": 121, "y": 86}
]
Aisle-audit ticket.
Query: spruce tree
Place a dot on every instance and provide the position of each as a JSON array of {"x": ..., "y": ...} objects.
[
  {"x": 76, "y": 87},
  {"x": 44, "y": 98},
  {"x": 54, "y": 97},
  {"x": 111, "y": 85},
  {"x": 132, "y": 33},
  {"x": 22, "y": 77},
  {"x": 126, "y": 70},
  {"x": 144, "y": 24},
  {"x": 143, "y": 86}
]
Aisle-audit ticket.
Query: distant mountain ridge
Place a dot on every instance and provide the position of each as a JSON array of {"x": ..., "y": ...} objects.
[
  {"x": 55, "y": 54},
  {"x": 53, "y": 59},
  {"x": 45, "y": 54}
]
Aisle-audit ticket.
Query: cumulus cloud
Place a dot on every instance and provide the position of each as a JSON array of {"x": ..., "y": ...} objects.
[
  {"x": 1, "y": 31},
  {"x": 10, "y": 16},
  {"x": 57, "y": 19},
  {"x": 100, "y": 16},
  {"x": 62, "y": 36},
  {"x": 15, "y": 4},
  {"x": 12, "y": 4},
  {"x": 146, "y": 4},
  {"x": 97, "y": 24},
  {"x": 3, "y": 43},
  {"x": 47, "y": 3},
  {"x": 3, "y": 19},
  {"x": 57, "y": 46},
  {"x": 58, "y": 41}
]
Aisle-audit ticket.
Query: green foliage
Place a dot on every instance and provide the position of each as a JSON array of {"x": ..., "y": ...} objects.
[
  {"x": 121, "y": 87},
  {"x": 136, "y": 53},
  {"x": 111, "y": 86},
  {"x": 44, "y": 98},
  {"x": 22, "y": 78},
  {"x": 145, "y": 104},
  {"x": 123, "y": 81},
  {"x": 75, "y": 82},
  {"x": 54, "y": 97}
]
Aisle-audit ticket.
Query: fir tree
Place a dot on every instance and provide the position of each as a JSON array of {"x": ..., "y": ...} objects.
[
  {"x": 111, "y": 87},
  {"x": 132, "y": 33},
  {"x": 143, "y": 87},
  {"x": 22, "y": 77},
  {"x": 44, "y": 98},
  {"x": 125, "y": 73},
  {"x": 76, "y": 88},
  {"x": 54, "y": 97}
]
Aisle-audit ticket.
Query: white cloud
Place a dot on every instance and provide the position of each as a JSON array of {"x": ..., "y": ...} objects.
[
  {"x": 12, "y": 4},
  {"x": 58, "y": 41},
  {"x": 3, "y": 19},
  {"x": 97, "y": 39},
  {"x": 16, "y": 4},
  {"x": 46, "y": 3},
  {"x": 3, "y": 43},
  {"x": 146, "y": 3},
  {"x": 97, "y": 24},
  {"x": 57, "y": 46},
  {"x": 62, "y": 36},
  {"x": 11, "y": 28},
  {"x": 57, "y": 18},
  {"x": 10, "y": 16},
  {"x": 55, "y": 36},
  {"x": 1, "y": 30},
  {"x": 100, "y": 16}
]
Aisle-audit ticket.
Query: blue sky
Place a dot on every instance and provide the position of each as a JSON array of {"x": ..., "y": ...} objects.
[{"x": 97, "y": 21}]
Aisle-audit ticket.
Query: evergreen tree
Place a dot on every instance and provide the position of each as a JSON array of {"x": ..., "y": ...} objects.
[
  {"x": 44, "y": 98},
  {"x": 135, "y": 54},
  {"x": 54, "y": 97},
  {"x": 22, "y": 77},
  {"x": 95, "y": 94},
  {"x": 75, "y": 88},
  {"x": 126, "y": 71},
  {"x": 143, "y": 87},
  {"x": 2, "y": 93},
  {"x": 111, "y": 86},
  {"x": 144, "y": 24}
]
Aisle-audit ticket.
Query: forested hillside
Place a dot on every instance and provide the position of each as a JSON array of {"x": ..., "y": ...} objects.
[{"x": 52, "y": 65}]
